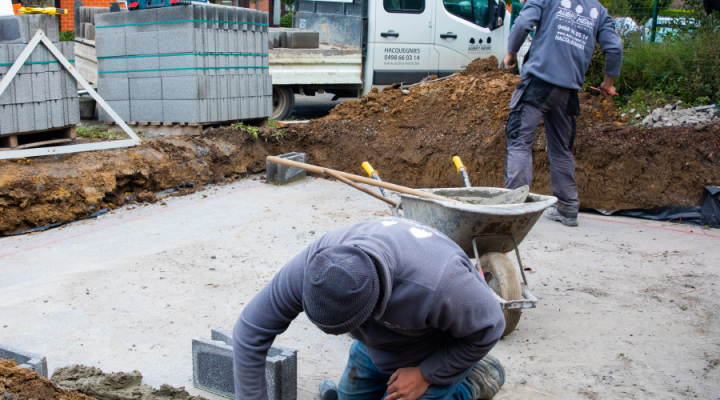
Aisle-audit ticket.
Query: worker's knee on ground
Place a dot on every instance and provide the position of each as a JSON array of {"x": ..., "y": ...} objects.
[{"x": 514, "y": 123}]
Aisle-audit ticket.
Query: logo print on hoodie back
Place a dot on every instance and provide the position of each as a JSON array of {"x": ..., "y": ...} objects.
[{"x": 572, "y": 27}]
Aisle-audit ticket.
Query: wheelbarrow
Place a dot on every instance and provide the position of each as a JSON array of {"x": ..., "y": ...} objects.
[{"x": 484, "y": 232}]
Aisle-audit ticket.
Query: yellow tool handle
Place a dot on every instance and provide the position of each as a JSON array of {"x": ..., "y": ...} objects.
[
  {"x": 37, "y": 10},
  {"x": 368, "y": 168},
  {"x": 458, "y": 163}
]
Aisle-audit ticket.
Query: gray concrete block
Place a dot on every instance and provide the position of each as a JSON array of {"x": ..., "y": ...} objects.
[
  {"x": 199, "y": 15},
  {"x": 113, "y": 89},
  {"x": 184, "y": 88},
  {"x": 184, "y": 65},
  {"x": 40, "y": 87},
  {"x": 122, "y": 108},
  {"x": 181, "y": 110},
  {"x": 224, "y": 86},
  {"x": 23, "y": 88},
  {"x": 176, "y": 13},
  {"x": 15, "y": 51},
  {"x": 5, "y": 58},
  {"x": 146, "y": 110},
  {"x": 245, "y": 107},
  {"x": 146, "y": 89},
  {"x": 234, "y": 86},
  {"x": 224, "y": 109},
  {"x": 113, "y": 68},
  {"x": 25, "y": 117},
  {"x": 203, "y": 110},
  {"x": 211, "y": 65},
  {"x": 8, "y": 119},
  {"x": 14, "y": 29},
  {"x": 38, "y": 58},
  {"x": 254, "y": 107},
  {"x": 244, "y": 85},
  {"x": 110, "y": 45},
  {"x": 41, "y": 115},
  {"x": 8, "y": 96},
  {"x": 214, "y": 110},
  {"x": 70, "y": 84},
  {"x": 254, "y": 85},
  {"x": 241, "y": 16},
  {"x": 147, "y": 20},
  {"x": 213, "y": 367},
  {"x": 268, "y": 106},
  {"x": 177, "y": 41},
  {"x": 210, "y": 38},
  {"x": 73, "y": 111},
  {"x": 90, "y": 32},
  {"x": 222, "y": 18},
  {"x": 55, "y": 90},
  {"x": 144, "y": 67},
  {"x": 281, "y": 174},
  {"x": 25, "y": 359},
  {"x": 56, "y": 109},
  {"x": 110, "y": 19},
  {"x": 142, "y": 43}
]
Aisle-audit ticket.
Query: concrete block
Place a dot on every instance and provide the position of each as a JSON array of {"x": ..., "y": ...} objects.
[
  {"x": 281, "y": 174},
  {"x": 184, "y": 65},
  {"x": 25, "y": 117},
  {"x": 90, "y": 32},
  {"x": 222, "y": 18},
  {"x": 199, "y": 40},
  {"x": 213, "y": 367},
  {"x": 14, "y": 29},
  {"x": 203, "y": 110},
  {"x": 8, "y": 96},
  {"x": 25, "y": 359},
  {"x": 214, "y": 110},
  {"x": 110, "y": 25},
  {"x": 255, "y": 107},
  {"x": 224, "y": 109},
  {"x": 8, "y": 119},
  {"x": 38, "y": 58},
  {"x": 122, "y": 108},
  {"x": 184, "y": 88},
  {"x": 146, "y": 89},
  {"x": 40, "y": 87},
  {"x": 148, "y": 19},
  {"x": 41, "y": 115},
  {"x": 234, "y": 86},
  {"x": 70, "y": 84},
  {"x": 146, "y": 110},
  {"x": 113, "y": 68},
  {"x": 55, "y": 90},
  {"x": 181, "y": 110},
  {"x": 244, "y": 85},
  {"x": 144, "y": 67},
  {"x": 176, "y": 41},
  {"x": 268, "y": 106},
  {"x": 110, "y": 45},
  {"x": 211, "y": 41},
  {"x": 142, "y": 43},
  {"x": 176, "y": 13},
  {"x": 210, "y": 65},
  {"x": 23, "y": 88},
  {"x": 199, "y": 15},
  {"x": 112, "y": 88},
  {"x": 73, "y": 111},
  {"x": 56, "y": 111},
  {"x": 15, "y": 51},
  {"x": 245, "y": 107},
  {"x": 5, "y": 58},
  {"x": 224, "y": 86}
]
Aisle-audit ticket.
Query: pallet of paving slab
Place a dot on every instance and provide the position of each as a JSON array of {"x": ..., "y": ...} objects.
[
  {"x": 32, "y": 139},
  {"x": 183, "y": 128}
]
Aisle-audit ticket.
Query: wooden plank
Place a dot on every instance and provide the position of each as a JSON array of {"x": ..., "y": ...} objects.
[{"x": 42, "y": 143}]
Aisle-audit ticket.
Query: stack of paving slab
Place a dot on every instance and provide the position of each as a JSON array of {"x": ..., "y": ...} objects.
[
  {"x": 199, "y": 63},
  {"x": 43, "y": 94},
  {"x": 672, "y": 115},
  {"x": 293, "y": 38}
]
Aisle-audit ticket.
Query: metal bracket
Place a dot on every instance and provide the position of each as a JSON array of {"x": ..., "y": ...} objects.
[{"x": 46, "y": 151}]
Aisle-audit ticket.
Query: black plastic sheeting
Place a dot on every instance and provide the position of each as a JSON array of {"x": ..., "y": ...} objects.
[
  {"x": 46, "y": 227},
  {"x": 708, "y": 214}
]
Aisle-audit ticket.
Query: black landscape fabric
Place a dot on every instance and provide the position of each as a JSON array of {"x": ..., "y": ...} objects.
[{"x": 710, "y": 208}]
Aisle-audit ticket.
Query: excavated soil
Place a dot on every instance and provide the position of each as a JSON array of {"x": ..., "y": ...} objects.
[
  {"x": 409, "y": 138},
  {"x": 115, "y": 386},
  {"x": 17, "y": 383}
]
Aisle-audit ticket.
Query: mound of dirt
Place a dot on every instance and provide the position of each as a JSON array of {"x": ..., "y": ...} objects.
[
  {"x": 17, "y": 383},
  {"x": 115, "y": 386}
]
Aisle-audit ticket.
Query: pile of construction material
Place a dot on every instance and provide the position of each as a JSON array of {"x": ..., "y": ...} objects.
[
  {"x": 293, "y": 38},
  {"x": 198, "y": 63},
  {"x": 43, "y": 95},
  {"x": 672, "y": 115},
  {"x": 85, "y": 21}
]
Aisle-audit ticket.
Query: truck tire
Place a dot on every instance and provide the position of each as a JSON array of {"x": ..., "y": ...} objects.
[
  {"x": 283, "y": 102},
  {"x": 502, "y": 278}
]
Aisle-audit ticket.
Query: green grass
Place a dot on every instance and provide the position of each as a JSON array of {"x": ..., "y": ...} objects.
[
  {"x": 98, "y": 132},
  {"x": 254, "y": 131}
]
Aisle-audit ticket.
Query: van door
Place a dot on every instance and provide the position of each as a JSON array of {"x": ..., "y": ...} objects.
[
  {"x": 402, "y": 41},
  {"x": 462, "y": 34}
]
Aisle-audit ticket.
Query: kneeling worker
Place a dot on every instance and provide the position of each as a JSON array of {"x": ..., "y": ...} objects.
[
  {"x": 554, "y": 71},
  {"x": 422, "y": 316}
]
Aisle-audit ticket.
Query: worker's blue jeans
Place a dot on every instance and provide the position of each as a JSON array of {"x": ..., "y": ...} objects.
[{"x": 363, "y": 381}]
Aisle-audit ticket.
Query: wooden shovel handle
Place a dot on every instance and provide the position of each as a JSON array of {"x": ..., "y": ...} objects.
[
  {"x": 358, "y": 187},
  {"x": 361, "y": 179}
]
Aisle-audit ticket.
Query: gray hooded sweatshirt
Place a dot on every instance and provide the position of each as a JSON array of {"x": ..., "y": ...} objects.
[
  {"x": 435, "y": 310},
  {"x": 564, "y": 42}
]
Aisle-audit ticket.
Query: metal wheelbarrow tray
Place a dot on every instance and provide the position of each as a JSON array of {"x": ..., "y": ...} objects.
[{"x": 485, "y": 232}]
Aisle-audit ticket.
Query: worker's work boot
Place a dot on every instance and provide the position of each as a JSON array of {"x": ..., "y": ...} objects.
[
  {"x": 485, "y": 378},
  {"x": 567, "y": 219}
]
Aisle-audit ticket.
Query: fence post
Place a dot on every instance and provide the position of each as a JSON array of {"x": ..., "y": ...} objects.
[{"x": 654, "y": 21}]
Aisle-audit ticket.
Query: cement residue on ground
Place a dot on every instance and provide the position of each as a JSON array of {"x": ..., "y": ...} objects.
[
  {"x": 17, "y": 383},
  {"x": 115, "y": 386}
]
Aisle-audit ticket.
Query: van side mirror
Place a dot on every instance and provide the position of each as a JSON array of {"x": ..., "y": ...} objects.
[{"x": 497, "y": 13}]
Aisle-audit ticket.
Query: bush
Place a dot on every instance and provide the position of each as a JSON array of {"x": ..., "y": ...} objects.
[
  {"x": 286, "y": 21},
  {"x": 67, "y": 36}
]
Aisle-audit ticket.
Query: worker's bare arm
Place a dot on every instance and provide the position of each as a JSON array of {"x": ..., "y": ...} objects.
[
  {"x": 510, "y": 61},
  {"x": 608, "y": 86}
]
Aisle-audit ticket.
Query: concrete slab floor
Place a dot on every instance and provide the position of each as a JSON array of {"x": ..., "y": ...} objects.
[{"x": 628, "y": 308}]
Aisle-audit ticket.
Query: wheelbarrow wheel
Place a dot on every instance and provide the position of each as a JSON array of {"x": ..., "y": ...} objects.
[{"x": 502, "y": 278}]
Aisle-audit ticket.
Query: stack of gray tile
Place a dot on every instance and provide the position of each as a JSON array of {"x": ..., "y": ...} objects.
[
  {"x": 86, "y": 21},
  {"x": 199, "y": 63},
  {"x": 42, "y": 95},
  {"x": 293, "y": 38}
]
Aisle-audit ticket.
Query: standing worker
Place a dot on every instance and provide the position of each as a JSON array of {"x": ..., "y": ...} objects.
[
  {"x": 554, "y": 71},
  {"x": 422, "y": 316}
]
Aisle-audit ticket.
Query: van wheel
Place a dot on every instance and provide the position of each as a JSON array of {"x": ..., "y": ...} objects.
[{"x": 283, "y": 102}]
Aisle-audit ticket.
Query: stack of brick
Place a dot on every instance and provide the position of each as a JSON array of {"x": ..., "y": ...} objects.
[
  {"x": 198, "y": 63},
  {"x": 42, "y": 95}
]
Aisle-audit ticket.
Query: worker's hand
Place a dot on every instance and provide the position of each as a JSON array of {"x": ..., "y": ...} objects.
[
  {"x": 407, "y": 384},
  {"x": 510, "y": 61},
  {"x": 608, "y": 86}
]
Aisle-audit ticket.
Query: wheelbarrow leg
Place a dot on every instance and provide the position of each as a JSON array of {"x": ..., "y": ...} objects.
[{"x": 517, "y": 253}]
